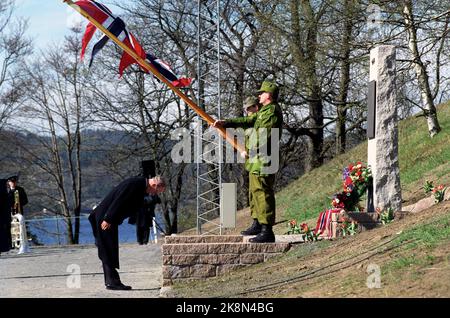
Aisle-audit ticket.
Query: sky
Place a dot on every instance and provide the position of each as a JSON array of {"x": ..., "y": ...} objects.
[{"x": 48, "y": 20}]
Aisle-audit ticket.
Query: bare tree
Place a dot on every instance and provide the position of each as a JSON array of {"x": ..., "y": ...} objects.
[
  {"x": 412, "y": 26},
  {"x": 14, "y": 46},
  {"x": 54, "y": 113}
]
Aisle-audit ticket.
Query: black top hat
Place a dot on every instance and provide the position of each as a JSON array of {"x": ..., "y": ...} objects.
[
  {"x": 13, "y": 178},
  {"x": 148, "y": 168}
]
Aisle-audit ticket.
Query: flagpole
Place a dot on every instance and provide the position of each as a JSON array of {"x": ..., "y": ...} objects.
[{"x": 155, "y": 72}]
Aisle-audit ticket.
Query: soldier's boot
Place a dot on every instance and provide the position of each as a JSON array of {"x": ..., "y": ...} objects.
[
  {"x": 254, "y": 229},
  {"x": 266, "y": 235}
]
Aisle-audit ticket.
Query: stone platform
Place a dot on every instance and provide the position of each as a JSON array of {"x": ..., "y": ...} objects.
[{"x": 200, "y": 257}]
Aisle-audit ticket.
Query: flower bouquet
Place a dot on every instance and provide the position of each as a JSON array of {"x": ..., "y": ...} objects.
[
  {"x": 293, "y": 227},
  {"x": 308, "y": 234},
  {"x": 438, "y": 192},
  {"x": 356, "y": 178}
]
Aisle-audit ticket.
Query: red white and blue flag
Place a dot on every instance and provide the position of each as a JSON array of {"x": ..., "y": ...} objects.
[
  {"x": 167, "y": 72},
  {"x": 117, "y": 27},
  {"x": 324, "y": 222}
]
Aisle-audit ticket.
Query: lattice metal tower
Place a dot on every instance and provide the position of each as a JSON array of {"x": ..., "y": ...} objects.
[{"x": 209, "y": 151}]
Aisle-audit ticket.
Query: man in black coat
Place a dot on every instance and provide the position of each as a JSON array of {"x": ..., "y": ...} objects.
[
  {"x": 5, "y": 219},
  {"x": 144, "y": 219},
  {"x": 122, "y": 202},
  {"x": 17, "y": 196}
]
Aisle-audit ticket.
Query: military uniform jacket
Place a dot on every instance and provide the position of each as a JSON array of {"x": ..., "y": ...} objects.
[{"x": 268, "y": 117}]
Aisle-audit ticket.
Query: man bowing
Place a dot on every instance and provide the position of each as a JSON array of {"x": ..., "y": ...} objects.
[{"x": 122, "y": 202}]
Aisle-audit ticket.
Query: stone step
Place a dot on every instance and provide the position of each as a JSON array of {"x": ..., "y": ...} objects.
[
  {"x": 223, "y": 248},
  {"x": 199, "y": 257},
  {"x": 366, "y": 221},
  {"x": 288, "y": 238},
  {"x": 184, "y": 239},
  {"x": 195, "y": 239}
]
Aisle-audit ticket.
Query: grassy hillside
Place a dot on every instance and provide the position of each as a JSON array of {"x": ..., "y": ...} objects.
[
  {"x": 421, "y": 158},
  {"x": 411, "y": 254}
]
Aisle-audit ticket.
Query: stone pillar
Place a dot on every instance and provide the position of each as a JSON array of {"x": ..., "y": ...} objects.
[{"x": 383, "y": 147}]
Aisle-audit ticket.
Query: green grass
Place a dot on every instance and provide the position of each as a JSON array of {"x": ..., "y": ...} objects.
[
  {"x": 402, "y": 262},
  {"x": 303, "y": 250},
  {"x": 422, "y": 237},
  {"x": 428, "y": 235},
  {"x": 420, "y": 158}
]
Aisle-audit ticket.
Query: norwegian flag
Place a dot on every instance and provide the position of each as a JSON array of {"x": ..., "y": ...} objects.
[
  {"x": 167, "y": 72},
  {"x": 117, "y": 27},
  {"x": 324, "y": 222}
]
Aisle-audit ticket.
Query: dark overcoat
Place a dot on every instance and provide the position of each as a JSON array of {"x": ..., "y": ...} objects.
[
  {"x": 22, "y": 198},
  {"x": 5, "y": 219},
  {"x": 122, "y": 202},
  {"x": 144, "y": 218}
]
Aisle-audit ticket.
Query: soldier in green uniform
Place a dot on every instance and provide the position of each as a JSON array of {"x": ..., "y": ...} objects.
[
  {"x": 261, "y": 178},
  {"x": 251, "y": 105}
]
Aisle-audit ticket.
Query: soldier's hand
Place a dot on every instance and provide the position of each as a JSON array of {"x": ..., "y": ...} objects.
[
  {"x": 244, "y": 154},
  {"x": 105, "y": 225},
  {"x": 219, "y": 123}
]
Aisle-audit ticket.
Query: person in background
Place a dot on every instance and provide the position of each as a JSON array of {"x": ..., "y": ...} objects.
[
  {"x": 122, "y": 202},
  {"x": 144, "y": 219},
  {"x": 5, "y": 219},
  {"x": 17, "y": 197},
  {"x": 251, "y": 107},
  {"x": 261, "y": 183}
]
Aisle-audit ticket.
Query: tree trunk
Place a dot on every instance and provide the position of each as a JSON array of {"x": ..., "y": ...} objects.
[
  {"x": 305, "y": 57},
  {"x": 176, "y": 199},
  {"x": 429, "y": 108},
  {"x": 344, "y": 81},
  {"x": 315, "y": 142}
]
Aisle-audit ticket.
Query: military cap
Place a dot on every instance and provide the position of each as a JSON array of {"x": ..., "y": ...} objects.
[
  {"x": 268, "y": 87},
  {"x": 250, "y": 101}
]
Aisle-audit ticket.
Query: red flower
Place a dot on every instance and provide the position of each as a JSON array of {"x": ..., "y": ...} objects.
[{"x": 348, "y": 181}]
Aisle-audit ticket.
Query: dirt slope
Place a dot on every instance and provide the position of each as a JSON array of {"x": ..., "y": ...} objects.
[{"x": 412, "y": 255}]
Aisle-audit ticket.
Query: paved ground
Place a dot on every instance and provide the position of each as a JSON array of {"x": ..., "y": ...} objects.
[{"x": 51, "y": 272}]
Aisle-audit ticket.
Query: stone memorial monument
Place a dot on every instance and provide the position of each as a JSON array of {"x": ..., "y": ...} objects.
[{"x": 382, "y": 130}]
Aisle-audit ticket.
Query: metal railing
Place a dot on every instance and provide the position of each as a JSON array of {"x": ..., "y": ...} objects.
[{"x": 49, "y": 231}]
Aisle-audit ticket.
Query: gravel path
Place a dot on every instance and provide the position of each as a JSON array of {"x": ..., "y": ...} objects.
[{"x": 52, "y": 272}]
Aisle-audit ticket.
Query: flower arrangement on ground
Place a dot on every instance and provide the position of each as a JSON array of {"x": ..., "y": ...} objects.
[
  {"x": 303, "y": 229},
  {"x": 356, "y": 179},
  {"x": 347, "y": 226},
  {"x": 386, "y": 216},
  {"x": 293, "y": 227},
  {"x": 437, "y": 191}
]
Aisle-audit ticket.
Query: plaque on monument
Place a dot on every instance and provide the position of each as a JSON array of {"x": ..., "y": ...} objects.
[{"x": 371, "y": 108}]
